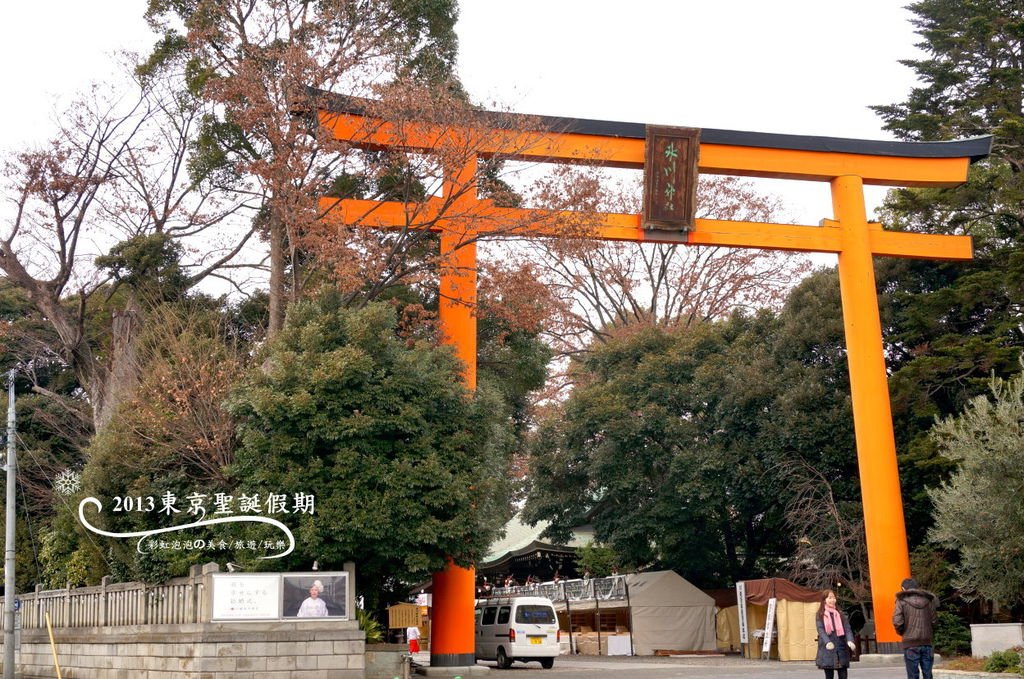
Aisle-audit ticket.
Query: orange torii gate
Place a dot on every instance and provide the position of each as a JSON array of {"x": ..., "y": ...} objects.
[{"x": 846, "y": 164}]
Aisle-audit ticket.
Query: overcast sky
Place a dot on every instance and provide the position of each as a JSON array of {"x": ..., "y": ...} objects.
[{"x": 794, "y": 66}]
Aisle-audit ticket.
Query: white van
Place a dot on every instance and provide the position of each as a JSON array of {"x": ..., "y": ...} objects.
[{"x": 522, "y": 628}]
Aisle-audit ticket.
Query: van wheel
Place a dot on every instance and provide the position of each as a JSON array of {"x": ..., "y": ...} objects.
[
  {"x": 504, "y": 662},
  {"x": 547, "y": 663}
]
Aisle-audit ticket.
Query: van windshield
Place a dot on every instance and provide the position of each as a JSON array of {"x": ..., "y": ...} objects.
[{"x": 537, "y": 615}]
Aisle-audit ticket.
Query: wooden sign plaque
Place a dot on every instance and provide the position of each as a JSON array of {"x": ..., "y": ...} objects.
[{"x": 670, "y": 178}]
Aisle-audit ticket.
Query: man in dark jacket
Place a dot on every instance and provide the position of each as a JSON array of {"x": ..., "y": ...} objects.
[{"x": 915, "y": 613}]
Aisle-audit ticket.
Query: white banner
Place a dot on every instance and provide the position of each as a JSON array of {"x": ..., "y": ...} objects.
[
  {"x": 246, "y": 596},
  {"x": 741, "y": 602},
  {"x": 769, "y": 627}
]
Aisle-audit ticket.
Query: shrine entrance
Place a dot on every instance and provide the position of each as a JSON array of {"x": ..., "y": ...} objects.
[{"x": 671, "y": 158}]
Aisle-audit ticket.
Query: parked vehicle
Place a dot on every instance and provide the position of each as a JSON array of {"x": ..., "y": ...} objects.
[{"x": 523, "y": 628}]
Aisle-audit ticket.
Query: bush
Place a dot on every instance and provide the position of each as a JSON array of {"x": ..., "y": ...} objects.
[
  {"x": 1003, "y": 661},
  {"x": 373, "y": 629},
  {"x": 952, "y": 635}
]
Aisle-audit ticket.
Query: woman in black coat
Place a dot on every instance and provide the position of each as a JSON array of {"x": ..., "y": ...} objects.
[{"x": 835, "y": 638}]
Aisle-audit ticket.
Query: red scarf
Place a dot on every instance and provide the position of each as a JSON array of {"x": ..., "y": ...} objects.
[{"x": 833, "y": 622}]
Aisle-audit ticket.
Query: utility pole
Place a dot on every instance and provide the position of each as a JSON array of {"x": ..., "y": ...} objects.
[{"x": 9, "y": 586}]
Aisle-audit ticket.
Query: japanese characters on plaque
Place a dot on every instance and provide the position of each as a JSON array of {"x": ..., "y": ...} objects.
[
  {"x": 670, "y": 177},
  {"x": 246, "y": 596}
]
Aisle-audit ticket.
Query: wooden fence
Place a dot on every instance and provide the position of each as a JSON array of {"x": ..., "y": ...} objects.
[{"x": 177, "y": 602}]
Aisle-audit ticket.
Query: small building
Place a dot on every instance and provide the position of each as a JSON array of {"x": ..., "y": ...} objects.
[{"x": 522, "y": 553}]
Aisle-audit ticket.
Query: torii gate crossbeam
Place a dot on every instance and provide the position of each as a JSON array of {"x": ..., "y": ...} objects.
[{"x": 847, "y": 164}]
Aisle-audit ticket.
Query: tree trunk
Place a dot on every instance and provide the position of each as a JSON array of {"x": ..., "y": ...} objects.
[
  {"x": 122, "y": 376},
  {"x": 107, "y": 386},
  {"x": 278, "y": 300}
]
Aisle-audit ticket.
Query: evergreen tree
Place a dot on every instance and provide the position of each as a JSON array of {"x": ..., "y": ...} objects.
[
  {"x": 663, "y": 447},
  {"x": 980, "y": 510},
  {"x": 948, "y": 326},
  {"x": 407, "y": 468}
]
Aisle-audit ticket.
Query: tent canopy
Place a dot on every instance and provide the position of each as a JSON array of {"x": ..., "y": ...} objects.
[
  {"x": 760, "y": 591},
  {"x": 795, "y": 618},
  {"x": 669, "y": 613},
  {"x": 664, "y": 588},
  {"x": 724, "y": 598}
]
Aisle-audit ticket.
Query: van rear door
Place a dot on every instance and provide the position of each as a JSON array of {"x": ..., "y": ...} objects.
[{"x": 539, "y": 623}]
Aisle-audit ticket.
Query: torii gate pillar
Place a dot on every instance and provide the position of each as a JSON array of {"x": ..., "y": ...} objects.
[
  {"x": 884, "y": 527},
  {"x": 452, "y": 638}
]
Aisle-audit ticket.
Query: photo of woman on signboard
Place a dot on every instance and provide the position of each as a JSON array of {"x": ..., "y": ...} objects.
[
  {"x": 315, "y": 595},
  {"x": 313, "y": 606}
]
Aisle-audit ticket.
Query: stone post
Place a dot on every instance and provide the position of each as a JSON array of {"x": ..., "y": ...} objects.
[
  {"x": 103, "y": 600},
  {"x": 206, "y": 612},
  {"x": 350, "y": 590}
]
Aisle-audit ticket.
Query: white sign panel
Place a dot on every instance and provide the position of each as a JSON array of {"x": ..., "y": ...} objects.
[
  {"x": 246, "y": 596},
  {"x": 741, "y": 602},
  {"x": 769, "y": 626}
]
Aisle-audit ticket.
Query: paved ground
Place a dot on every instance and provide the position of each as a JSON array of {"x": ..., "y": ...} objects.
[{"x": 728, "y": 667}]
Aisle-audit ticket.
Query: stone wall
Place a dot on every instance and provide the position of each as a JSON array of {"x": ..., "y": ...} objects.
[
  {"x": 987, "y": 639},
  {"x": 239, "y": 650},
  {"x": 386, "y": 661}
]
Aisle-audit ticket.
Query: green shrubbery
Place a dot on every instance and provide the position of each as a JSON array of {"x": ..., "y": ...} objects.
[
  {"x": 1005, "y": 661},
  {"x": 369, "y": 624},
  {"x": 952, "y": 635}
]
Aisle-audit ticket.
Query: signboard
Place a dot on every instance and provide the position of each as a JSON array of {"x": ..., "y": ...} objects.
[
  {"x": 741, "y": 603},
  {"x": 279, "y": 596},
  {"x": 315, "y": 595},
  {"x": 403, "y": 615},
  {"x": 769, "y": 627},
  {"x": 670, "y": 178},
  {"x": 246, "y": 596}
]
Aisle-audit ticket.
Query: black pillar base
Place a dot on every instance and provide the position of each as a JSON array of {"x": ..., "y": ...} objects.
[{"x": 452, "y": 660}]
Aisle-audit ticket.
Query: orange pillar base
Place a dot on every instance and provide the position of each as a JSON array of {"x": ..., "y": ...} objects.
[{"x": 452, "y": 639}]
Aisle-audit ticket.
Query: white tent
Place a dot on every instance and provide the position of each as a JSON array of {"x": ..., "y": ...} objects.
[{"x": 669, "y": 613}]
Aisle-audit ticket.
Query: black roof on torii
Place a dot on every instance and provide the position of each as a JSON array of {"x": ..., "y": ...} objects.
[{"x": 975, "y": 148}]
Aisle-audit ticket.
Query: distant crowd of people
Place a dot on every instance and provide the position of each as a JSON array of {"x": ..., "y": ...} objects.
[{"x": 486, "y": 586}]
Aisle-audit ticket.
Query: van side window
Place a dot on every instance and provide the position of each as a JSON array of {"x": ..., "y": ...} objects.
[
  {"x": 489, "y": 614},
  {"x": 503, "y": 615},
  {"x": 477, "y": 614}
]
